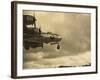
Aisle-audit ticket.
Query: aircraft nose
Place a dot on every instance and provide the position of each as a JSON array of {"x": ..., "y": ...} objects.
[{"x": 59, "y": 37}]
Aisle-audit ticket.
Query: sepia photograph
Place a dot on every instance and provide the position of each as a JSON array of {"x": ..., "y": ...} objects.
[
  {"x": 56, "y": 39},
  {"x": 52, "y": 39}
]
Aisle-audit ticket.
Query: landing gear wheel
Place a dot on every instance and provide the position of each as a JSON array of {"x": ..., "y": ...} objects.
[
  {"x": 58, "y": 46},
  {"x": 27, "y": 47},
  {"x": 42, "y": 45}
]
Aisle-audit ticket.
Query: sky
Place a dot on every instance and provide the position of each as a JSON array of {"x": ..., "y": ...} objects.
[{"x": 74, "y": 29}]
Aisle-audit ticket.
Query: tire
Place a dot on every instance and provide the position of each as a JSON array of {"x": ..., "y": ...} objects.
[
  {"x": 26, "y": 46},
  {"x": 58, "y": 46}
]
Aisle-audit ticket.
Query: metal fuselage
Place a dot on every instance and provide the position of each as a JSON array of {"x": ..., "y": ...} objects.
[{"x": 34, "y": 37}]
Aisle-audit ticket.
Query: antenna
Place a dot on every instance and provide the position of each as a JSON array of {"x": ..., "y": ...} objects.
[{"x": 34, "y": 20}]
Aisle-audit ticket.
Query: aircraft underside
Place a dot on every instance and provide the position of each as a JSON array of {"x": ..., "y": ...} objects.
[{"x": 28, "y": 45}]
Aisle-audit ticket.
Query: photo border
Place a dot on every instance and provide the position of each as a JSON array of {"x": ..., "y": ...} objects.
[{"x": 14, "y": 37}]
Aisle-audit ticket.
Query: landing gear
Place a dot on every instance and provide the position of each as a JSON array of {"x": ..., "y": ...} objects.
[
  {"x": 27, "y": 47},
  {"x": 42, "y": 45},
  {"x": 58, "y": 46}
]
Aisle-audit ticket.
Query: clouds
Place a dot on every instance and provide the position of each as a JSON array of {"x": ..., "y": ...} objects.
[
  {"x": 74, "y": 28},
  {"x": 77, "y": 60}
]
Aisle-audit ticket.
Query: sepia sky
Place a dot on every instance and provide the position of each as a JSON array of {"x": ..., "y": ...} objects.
[{"x": 74, "y": 28}]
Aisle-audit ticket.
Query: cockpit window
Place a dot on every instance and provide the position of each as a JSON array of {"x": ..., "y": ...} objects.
[{"x": 29, "y": 18}]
